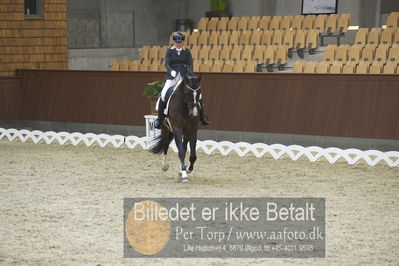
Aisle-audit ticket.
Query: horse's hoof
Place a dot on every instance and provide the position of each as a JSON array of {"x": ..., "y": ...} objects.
[
  {"x": 183, "y": 178},
  {"x": 165, "y": 167}
]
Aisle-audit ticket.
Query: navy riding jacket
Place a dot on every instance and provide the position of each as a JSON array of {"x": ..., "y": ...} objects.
[{"x": 182, "y": 63}]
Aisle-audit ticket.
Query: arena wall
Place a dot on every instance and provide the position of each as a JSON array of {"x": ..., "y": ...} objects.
[
  {"x": 10, "y": 91},
  {"x": 357, "y": 106}
]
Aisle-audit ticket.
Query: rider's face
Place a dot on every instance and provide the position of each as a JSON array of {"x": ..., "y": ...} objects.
[{"x": 178, "y": 44}]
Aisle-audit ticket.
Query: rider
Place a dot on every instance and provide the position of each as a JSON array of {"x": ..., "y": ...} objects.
[{"x": 178, "y": 63}]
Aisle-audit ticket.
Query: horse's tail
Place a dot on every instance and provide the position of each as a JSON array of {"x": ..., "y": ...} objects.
[
  {"x": 157, "y": 145},
  {"x": 161, "y": 142}
]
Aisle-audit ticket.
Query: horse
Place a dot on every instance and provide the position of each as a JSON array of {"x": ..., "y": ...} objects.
[{"x": 181, "y": 124}]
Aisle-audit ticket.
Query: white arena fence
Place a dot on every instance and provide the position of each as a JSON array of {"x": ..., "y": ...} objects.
[{"x": 277, "y": 151}]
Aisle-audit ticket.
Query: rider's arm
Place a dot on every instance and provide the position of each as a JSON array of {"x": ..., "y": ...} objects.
[{"x": 168, "y": 60}]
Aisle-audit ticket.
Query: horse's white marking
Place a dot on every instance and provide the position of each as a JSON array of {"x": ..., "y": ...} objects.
[
  {"x": 195, "y": 97},
  {"x": 164, "y": 164},
  {"x": 195, "y": 110},
  {"x": 184, "y": 174},
  {"x": 184, "y": 177}
]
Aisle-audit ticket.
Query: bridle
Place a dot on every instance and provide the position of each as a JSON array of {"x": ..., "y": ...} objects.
[{"x": 194, "y": 91}]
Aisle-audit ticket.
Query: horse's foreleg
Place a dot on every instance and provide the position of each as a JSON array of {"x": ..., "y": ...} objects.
[
  {"x": 193, "y": 154},
  {"x": 182, "y": 153},
  {"x": 166, "y": 138}
]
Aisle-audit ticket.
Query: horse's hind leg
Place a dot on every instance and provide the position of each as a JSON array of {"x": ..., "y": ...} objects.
[
  {"x": 193, "y": 154},
  {"x": 167, "y": 137}
]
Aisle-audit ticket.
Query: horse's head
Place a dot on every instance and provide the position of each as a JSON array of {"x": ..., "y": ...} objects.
[{"x": 192, "y": 94}]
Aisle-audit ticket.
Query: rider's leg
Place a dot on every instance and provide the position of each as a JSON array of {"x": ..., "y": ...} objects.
[
  {"x": 161, "y": 115},
  {"x": 162, "y": 103},
  {"x": 203, "y": 118}
]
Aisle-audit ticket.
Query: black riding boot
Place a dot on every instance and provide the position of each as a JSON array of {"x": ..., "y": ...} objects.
[
  {"x": 161, "y": 116},
  {"x": 203, "y": 118}
]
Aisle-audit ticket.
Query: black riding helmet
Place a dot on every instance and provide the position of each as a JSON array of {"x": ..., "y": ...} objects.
[{"x": 178, "y": 37}]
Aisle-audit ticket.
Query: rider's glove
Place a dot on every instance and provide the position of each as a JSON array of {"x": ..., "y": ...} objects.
[{"x": 173, "y": 73}]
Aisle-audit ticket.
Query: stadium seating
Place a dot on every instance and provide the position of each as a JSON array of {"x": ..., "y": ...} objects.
[
  {"x": 269, "y": 57},
  {"x": 319, "y": 23},
  {"x": 343, "y": 23},
  {"x": 361, "y": 37},
  {"x": 214, "y": 53},
  {"x": 297, "y": 22},
  {"x": 336, "y": 67},
  {"x": 250, "y": 67},
  {"x": 331, "y": 24},
  {"x": 286, "y": 23},
  {"x": 373, "y": 37},
  {"x": 124, "y": 65},
  {"x": 368, "y": 54},
  {"x": 243, "y": 24},
  {"x": 387, "y": 37},
  {"x": 312, "y": 41},
  {"x": 354, "y": 53},
  {"x": 322, "y": 67},
  {"x": 375, "y": 68},
  {"x": 329, "y": 54},
  {"x": 393, "y": 55},
  {"x": 349, "y": 68},
  {"x": 247, "y": 52},
  {"x": 298, "y": 66},
  {"x": 264, "y": 23},
  {"x": 308, "y": 22},
  {"x": 381, "y": 54},
  {"x": 362, "y": 67},
  {"x": 275, "y": 23},
  {"x": 310, "y": 67},
  {"x": 241, "y": 44},
  {"x": 253, "y": 23},
  {"x": 341, "y": 53},
  {"x": 392, "y": 21},
  {"x": 222, "y": 24},
  {"x": 389, "y": 68},
  {"x": 115, "y": 65},
  {"x": 259, "y": 53}
]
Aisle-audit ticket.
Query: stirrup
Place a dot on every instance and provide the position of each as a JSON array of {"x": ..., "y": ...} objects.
[{"x": 204, "y": 120}]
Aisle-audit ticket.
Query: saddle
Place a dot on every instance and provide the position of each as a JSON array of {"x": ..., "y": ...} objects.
[{"x": 168, "y": 96}]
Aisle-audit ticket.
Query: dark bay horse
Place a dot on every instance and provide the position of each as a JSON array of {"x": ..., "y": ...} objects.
[{"x": 181, "y": 124}]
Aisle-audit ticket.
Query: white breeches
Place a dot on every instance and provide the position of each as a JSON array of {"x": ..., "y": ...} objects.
[{"x": 169, "y": 83}]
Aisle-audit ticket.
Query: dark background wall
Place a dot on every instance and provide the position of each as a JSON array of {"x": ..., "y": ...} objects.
[{"x": 361, "y": 106}]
